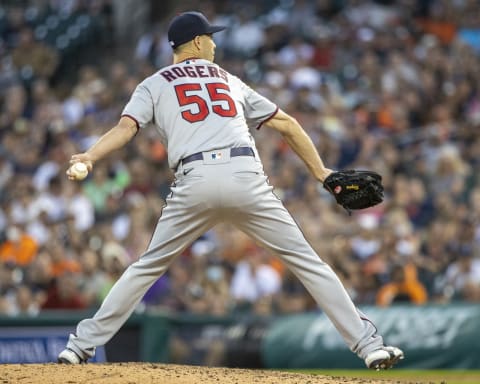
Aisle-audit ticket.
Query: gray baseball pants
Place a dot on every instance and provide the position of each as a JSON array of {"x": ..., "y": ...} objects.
[{"x": 235, "y": 190}]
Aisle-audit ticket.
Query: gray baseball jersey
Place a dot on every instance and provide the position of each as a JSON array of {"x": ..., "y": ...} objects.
[
  {"x": 197, "y": 106},
  {"x": 203, "y": 112}
]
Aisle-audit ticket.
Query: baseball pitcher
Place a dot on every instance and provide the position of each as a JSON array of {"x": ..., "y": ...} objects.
[{"x": 204, "y": 117}]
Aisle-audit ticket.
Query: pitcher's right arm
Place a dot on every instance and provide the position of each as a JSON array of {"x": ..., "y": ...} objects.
[{"x": 112, "y": 140}]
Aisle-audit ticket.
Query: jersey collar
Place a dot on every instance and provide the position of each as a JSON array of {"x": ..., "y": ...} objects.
[{"x": 192, "y": 60}]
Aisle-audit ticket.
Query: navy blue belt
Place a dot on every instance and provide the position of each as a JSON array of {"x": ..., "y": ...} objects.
[{"x": 237, "y": 151}]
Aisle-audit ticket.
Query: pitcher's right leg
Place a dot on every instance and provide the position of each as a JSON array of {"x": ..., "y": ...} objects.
[{"x": 181, "y": 223}]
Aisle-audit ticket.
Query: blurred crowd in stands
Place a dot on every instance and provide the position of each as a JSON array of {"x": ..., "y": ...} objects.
[{"x": 392, "y": 86}]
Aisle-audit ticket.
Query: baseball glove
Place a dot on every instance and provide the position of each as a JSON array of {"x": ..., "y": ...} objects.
[{"x": 354, "y": 189}]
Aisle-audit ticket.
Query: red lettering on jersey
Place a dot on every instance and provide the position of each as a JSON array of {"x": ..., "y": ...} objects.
[
  {"x": 197, "y": 109},
  {"x": 185, "y": 98},
  {"x": 220, "y": 92},
  {"x": 168, "y": 75},
  {"x": 201, "y": 70},
  {"x": 190, "y": 71},
  {"x": 223, "y": 74},
  {"x": 178, "y": 71},
  {"x": 213, "y": 71}
]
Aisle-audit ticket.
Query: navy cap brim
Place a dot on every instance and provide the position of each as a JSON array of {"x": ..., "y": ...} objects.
[{"x": 215, "y": 28}]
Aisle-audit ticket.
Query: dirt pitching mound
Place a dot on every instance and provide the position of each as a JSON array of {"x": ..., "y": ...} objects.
[{"x": 148, "y": 373}]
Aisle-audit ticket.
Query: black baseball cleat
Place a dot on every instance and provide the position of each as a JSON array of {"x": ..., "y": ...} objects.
[
  {"x": 384, "y": 358},
  {"x": 67, "y": 356}
]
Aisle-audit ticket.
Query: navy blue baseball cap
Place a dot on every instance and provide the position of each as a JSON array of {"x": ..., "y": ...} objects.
[{"x": 186, "y": 26}]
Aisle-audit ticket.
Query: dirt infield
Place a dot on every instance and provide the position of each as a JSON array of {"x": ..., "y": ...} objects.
[{"x": 148, "y": 373}]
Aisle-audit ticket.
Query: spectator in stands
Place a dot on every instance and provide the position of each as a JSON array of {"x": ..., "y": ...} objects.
[
  {"x": 89, "y": 83},
  {"x": 14, "y": 24},
  {"x": 64, "y": 294},
  {"x": 33, "y": 59},
  {"x": 152, "y": 48},
  {"x": 13, "y": 112},
  {"x": 114, "y": 262},
  {"x": 291, "y": 298},
  {"x": 403, "y": 287},
  {"x": 19, "y": 248},
  {"x": 217, "y": 289},
  {"x": 99, "y": 188},
  {"x": 254, "y": 278},
  {"x": 61, "y": 262},
  {"x": 24, "y": 302},
  {"x": 462, "y": 278},
  {"x": 93, "y": 278}
]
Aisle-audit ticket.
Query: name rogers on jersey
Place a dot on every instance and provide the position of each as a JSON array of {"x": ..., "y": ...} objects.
[{"x": 176, "y": 72}]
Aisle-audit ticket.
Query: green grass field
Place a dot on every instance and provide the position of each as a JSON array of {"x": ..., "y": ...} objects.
[{"x": 408, "y": 376}]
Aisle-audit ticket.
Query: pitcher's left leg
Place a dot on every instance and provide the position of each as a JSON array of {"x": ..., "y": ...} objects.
[{"x": 275, "y": 229}]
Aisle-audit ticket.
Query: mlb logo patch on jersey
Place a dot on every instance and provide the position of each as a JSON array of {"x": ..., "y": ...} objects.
[{"x": 217, "y": 155}]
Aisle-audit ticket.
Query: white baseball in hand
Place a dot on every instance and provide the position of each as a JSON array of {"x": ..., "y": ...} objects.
[{"x": 79, "y": 171}]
